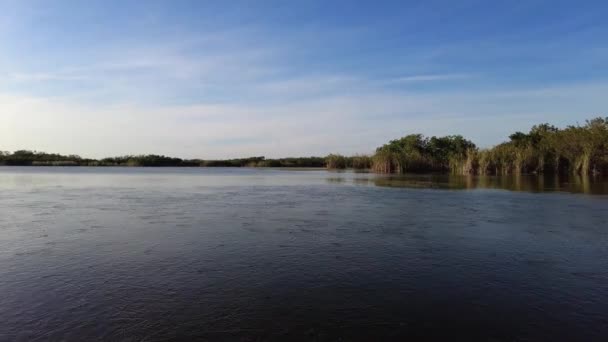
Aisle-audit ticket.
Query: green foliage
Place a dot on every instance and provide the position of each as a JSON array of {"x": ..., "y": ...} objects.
[
  {"x": 252, "y": 161},
  {"x": 263, "y": 162},
  {"x": 27, "y": 158},
  {"x": 146, "y": 160},
  {"x": 415, "y": 153},
  {"x": 32, "y": 158},
  {"x": 361, "y": 162},
  {"x": 575, "y": 149},
  {"x": 336, "y": 161},
  {"x": 295, "y": 162}
]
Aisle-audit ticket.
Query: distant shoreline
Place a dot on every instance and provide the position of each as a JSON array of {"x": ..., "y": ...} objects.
[
  {"x": 175, "y": 166},
  {"x": 37, "y": 159},
  {"x": 544, "y": 149}
]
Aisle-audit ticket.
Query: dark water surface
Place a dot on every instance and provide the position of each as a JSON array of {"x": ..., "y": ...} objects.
[{"x": 250, "y": 254}]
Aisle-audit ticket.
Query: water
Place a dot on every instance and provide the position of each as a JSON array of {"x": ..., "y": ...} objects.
[{"x": 249, "y": 254}]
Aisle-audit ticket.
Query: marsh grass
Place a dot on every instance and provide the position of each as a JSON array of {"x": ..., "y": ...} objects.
[{"x": 581, "y": 149}]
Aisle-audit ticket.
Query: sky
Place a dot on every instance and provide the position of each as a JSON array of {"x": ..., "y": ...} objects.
[{"x": 227, "y": 79}]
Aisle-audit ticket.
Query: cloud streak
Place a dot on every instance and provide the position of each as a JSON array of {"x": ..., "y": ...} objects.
[
  {"x": 341, "y": 123},
  {"x": 429, "y": 78}
]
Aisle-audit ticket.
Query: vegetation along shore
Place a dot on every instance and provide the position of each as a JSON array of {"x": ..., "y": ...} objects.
[{"x": 580, "y": 149}]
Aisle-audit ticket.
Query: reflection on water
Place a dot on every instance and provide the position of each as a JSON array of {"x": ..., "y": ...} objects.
[
  {"x": 529, "y": 183},
  {"x": 18, "y": 177}
]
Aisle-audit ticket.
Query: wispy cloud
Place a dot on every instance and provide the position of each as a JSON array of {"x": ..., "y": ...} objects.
[
  {"x": 46, "y": 77},
  {"x": 155, "y": 72},
  {"x": 429, "y": 78},
  {"x": 345, "y": 123}
]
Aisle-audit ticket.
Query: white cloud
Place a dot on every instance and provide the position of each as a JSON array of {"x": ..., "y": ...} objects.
[
  {"x": 341, "y": 123},
  {"x": 45, "y": 76},
  {"x": 429, "y": 78}
]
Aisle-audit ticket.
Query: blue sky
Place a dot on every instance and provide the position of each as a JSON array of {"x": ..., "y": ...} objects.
[{"x": 291, "y": 78}]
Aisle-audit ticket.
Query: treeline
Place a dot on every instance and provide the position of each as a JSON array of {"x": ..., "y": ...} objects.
[
  {"x": 263, "y": 162},
  {"x": 337, "y": 161},
  {"x": 34, "y": 158},
  {"x": 580, "y": 149}
]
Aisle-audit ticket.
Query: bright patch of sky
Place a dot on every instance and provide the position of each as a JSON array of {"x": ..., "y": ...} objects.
[{"x": 220, "y": 79}]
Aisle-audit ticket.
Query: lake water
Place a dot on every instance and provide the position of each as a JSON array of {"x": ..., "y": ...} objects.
[{"x": 260, "y": 254}]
